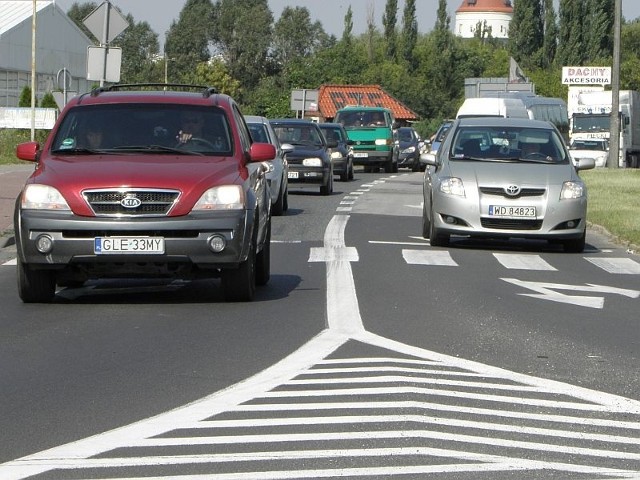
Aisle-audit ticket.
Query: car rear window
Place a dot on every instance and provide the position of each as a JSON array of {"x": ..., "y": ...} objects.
[{"x": 114, "y": 127}]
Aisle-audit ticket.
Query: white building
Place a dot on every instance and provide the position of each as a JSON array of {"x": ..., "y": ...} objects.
[
  {"x": 59, "y": 44},
  {"x": 493, "y": 14}
]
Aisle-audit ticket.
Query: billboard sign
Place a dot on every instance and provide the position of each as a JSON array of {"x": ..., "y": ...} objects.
[{"x": 586, "y": 75}]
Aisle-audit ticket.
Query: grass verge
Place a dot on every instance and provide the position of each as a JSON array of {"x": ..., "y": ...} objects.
[
  {"x": 10, "y": 137},
  {"x": 614, "y": 202}
]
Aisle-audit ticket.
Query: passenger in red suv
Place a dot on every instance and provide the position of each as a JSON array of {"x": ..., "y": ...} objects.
[{"x": 143, "y": 206}]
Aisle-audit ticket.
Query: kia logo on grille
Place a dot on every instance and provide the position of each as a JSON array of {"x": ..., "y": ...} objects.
[
  {"x": 130, "y": 201},
  {"x": 512, "y": 190}
]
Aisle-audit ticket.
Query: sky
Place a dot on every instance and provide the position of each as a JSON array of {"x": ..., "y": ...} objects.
[{"x": 161, "y": 13}]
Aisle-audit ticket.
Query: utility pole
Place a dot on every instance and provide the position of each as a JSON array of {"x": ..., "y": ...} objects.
[
  {"x": 614, "y": 127},
  {"x": 34, "y": 83}
]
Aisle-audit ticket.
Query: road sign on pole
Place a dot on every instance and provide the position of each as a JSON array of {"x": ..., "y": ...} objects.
[
  {"x": 103, "y": 63},
  {"x": 106, "y": 22},
  {"x": 305, "y": 100}
]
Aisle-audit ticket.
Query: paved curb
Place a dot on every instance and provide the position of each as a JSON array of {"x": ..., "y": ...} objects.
[
  {"x": 7, "y": 240},
  {"x": 631, "y": 247}
]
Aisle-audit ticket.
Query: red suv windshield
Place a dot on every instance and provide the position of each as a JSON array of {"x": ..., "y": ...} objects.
[{"x": 145, "y": 126}]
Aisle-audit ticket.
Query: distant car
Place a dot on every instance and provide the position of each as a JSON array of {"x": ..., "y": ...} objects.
[
  {"x": 342, "y": 153},
  {"x": 409, "y": 143},
  {"x": 504, "y": 178},
  {"x": 437, "y": 139},
  {"x": 144, "y": 198},
  {"x": 596, "y": 148},
  {"x": 278, "y": 174},
  {"x": 310, "y": 161}
]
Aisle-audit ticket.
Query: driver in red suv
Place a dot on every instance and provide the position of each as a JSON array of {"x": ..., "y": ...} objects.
[{"x": 151, "y": 199}]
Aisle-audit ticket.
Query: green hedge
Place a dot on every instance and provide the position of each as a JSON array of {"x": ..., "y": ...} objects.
[{"x": 10, "y": 137}]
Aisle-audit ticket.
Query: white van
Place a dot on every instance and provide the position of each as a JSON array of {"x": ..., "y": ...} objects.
[{"x": 493, "y": 107}]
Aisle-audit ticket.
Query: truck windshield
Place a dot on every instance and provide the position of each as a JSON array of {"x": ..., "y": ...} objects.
[
  {"x": 361, "y": 118},
  {"x": 591, "y": 123}
]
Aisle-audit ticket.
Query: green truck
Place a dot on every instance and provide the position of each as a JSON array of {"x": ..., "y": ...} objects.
[{"x": 371, "y": 129}]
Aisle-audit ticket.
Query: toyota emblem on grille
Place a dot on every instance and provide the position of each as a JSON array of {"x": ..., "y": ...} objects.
[
  {"x": 130, "y": 201},
  {"x": 512, "y": 190}
]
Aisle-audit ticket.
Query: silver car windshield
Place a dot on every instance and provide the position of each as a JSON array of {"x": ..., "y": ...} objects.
[{"x": 512, "y": 144}]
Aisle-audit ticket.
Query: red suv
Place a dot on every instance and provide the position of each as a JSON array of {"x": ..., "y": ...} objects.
[{"x": 145, "y": 181}]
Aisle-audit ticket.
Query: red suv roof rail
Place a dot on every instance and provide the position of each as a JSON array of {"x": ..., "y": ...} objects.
[{"x": 206, "y": 90}]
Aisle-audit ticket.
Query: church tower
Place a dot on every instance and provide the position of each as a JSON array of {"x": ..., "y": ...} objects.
[{"x": 496, "y": 13}]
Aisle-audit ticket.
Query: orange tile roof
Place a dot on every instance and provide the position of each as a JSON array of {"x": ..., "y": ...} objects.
[
  {"x": 333, "y": 97},
  {"x": 501, "y": 6}
]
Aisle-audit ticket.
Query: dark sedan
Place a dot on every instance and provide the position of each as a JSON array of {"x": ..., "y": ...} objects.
[
  {"x": 310, "y": 161},
  {"x": 342, "y": 153},
  {"x": 408, "y": 145}
]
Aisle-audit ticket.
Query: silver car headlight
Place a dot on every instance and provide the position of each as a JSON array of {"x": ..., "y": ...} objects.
[
  {"x": 572, "y": 190},
  {"x": 452, "y": 186},
  {"x": 43, "y": 197},
  {"x": 312, "y": 162},
  {"x": 226, "y": 197},
  {"x": 336, "y": 155}
]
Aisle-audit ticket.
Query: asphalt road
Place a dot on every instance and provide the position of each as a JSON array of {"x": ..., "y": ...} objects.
[{"x": 370, "y": 354}]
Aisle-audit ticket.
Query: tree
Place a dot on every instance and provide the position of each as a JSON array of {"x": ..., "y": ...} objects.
[
  {"x": 599, "y": 41},
  {"x": 295, "y": 36},
  {"x": 389, "y": 20},
  {"x": 550, "y": 42},
  {"x": 570, "y": 33},
  {"x": 25, "y": 97},
  {"x": 347, "y": 33},
  {"x": 48, "y": 101},
  {"x": 409, "y": 33},
  {"x": 139, "y": 51},
  {"x": 214, "y": 74},
  {"x": 526, "y": 32},
  {"x": 242, "y": 34},
  {"x": 440, "y": 67},
  {"x": 188, "y": 39},
  {"x": 78, "y": 12}
]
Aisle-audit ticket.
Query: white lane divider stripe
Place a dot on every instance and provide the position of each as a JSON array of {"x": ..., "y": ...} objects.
[
  {"x": 522, "y": 262},
  {"x": 428, "y": 257},
  {"x": 622, "y": 266}
]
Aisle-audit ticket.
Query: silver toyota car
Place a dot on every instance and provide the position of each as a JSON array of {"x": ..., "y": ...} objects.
[{"x": 504, "y": 178}]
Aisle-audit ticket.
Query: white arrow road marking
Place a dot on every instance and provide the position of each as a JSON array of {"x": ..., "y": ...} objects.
[
  {"x": 555, "y": 403},
  {"x": 547, "y": 292}
]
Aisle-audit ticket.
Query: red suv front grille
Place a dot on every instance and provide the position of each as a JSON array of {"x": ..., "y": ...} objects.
[{"x": 138, "y": 202}]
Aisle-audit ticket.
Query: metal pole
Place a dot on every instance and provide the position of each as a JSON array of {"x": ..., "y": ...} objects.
[
  {"x": 614, "y": 126},
  {"x": 33, "y": 73},
  {"x": 304, "y": 100},
  {"x": 105, "y": 41}
]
